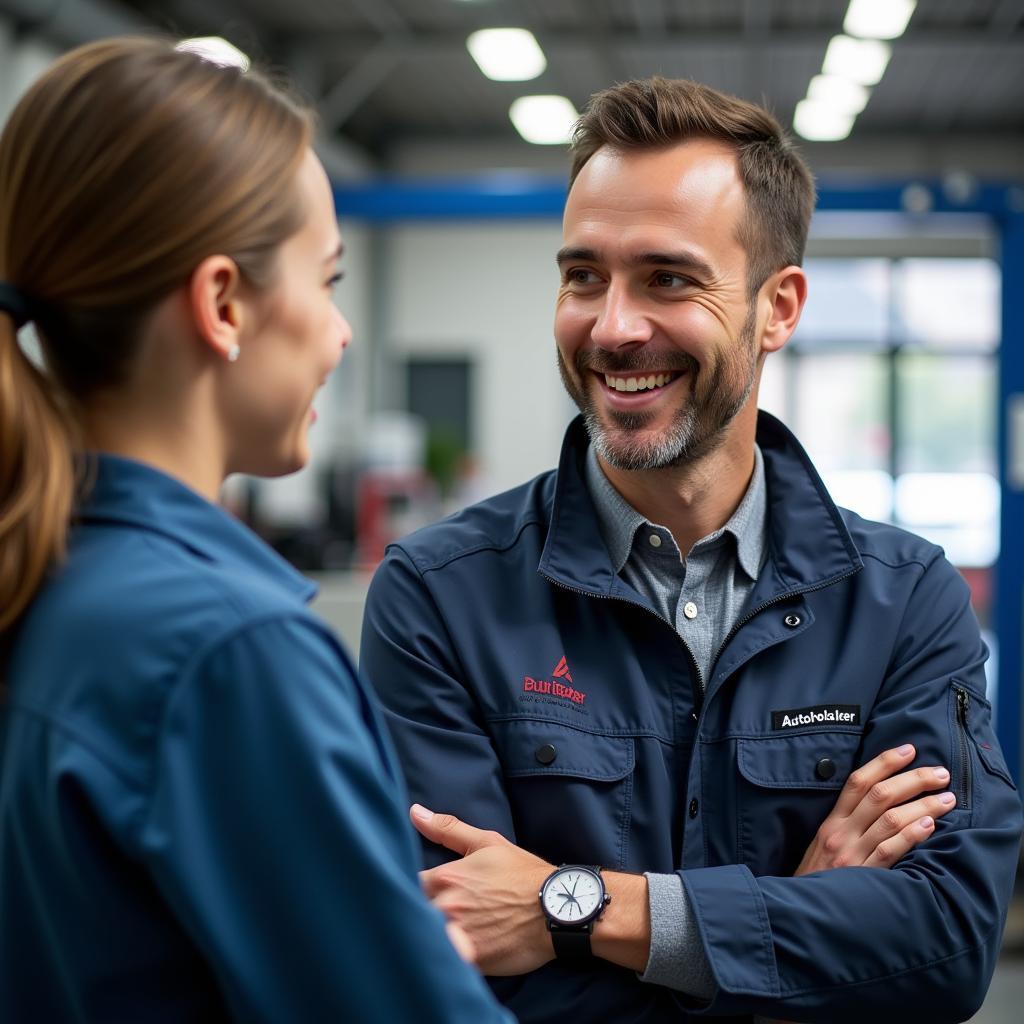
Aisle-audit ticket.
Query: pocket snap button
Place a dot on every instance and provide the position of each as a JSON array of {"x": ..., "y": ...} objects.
[
  {"x": 825, "y": 769},
  {"x": 545, "y": 754},
  {"x": 792, "y": 620}
]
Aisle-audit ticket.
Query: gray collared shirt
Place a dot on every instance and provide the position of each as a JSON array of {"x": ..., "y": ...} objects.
[{"x": 702, "y": 595}]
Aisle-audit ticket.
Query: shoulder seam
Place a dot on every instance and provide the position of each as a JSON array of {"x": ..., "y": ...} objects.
[
  {"x": 898, "y": 565},
  {"x": 465, "y": 552}
]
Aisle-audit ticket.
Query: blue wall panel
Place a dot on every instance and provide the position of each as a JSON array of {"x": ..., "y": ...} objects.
[{"x": 1009, "y": 592}]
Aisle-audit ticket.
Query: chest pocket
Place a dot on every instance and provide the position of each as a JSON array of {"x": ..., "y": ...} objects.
[
  {"x": 786, "y": 787},
  {"x": 570, "y": 790}
]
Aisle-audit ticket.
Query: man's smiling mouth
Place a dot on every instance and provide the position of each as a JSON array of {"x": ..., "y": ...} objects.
[{"x": 639, "y": 382}]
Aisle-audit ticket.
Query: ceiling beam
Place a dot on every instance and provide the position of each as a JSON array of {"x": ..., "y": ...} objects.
[
  {"x": 754, "y": 36},
  {"x": 348, "y": 94}
]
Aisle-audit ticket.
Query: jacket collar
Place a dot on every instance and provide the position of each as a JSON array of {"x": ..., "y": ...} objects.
[
  {"x": 808, "y": 544},
  {"x": 134, "y": 494}
]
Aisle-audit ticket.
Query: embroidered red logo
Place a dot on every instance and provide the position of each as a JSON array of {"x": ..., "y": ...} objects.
[{"x": 553, "y": 688}]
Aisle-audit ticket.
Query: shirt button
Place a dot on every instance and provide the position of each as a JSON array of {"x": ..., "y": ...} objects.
[
  {"x": 655, "y": 540},
  {"x": 694, "y": 807},
  {"x": 545, "y": 754},
  {"x": 825, "y": 769},
  {"x": 690, "y": 610}
]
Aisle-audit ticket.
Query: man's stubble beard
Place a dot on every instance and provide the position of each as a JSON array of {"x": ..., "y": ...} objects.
[{"x": 699, "y": 424}]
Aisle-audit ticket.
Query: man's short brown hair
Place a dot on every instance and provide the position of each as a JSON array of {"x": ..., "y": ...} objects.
[{"x": 658, "y": 112}]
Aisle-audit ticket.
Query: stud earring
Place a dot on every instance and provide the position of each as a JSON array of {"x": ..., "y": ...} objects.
[{"x": 233, "y": 353}]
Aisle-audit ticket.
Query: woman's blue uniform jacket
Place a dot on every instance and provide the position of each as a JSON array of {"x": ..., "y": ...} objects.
[
  {"x": 530, "y": 690},
  {"x": 200, "y": 816}
]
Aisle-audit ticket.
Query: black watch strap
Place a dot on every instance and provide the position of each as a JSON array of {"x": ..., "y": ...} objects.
[{"x": 572, "y": 946}]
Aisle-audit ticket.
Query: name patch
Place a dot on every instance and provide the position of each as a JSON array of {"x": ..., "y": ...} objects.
[{"x": 820, "y": 714}]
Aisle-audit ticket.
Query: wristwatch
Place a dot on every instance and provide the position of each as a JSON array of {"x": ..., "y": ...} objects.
[{"x": 572, "y": 899}]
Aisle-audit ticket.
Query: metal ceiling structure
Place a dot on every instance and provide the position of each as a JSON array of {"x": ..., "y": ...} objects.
[{"x": 385, "y": 73}]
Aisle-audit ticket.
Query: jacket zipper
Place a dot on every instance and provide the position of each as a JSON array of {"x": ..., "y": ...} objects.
[{"x": 963, "y": 793}]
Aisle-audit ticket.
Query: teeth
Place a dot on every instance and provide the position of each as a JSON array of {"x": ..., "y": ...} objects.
[{"x": 638, "y": 383}]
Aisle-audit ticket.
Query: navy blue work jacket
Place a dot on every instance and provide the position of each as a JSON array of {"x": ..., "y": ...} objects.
[
  {"x": 531, "y": 690},
  {"x": 201, "y": 817}
]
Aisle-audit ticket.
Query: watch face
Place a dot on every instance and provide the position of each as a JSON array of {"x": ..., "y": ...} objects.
[{"x": 572, "y": 895}]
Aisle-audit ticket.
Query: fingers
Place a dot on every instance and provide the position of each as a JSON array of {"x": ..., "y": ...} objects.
[
  {"x": 448, "y": 831},
  {"x": 888, "y": 852},
  {"x": 897, "y": 819},
  {"x": 460, "y": 939},
  {"x": 432, "y": 882},
  {"x": 888, "y": 763},
  {"x": 891, "y": 792}
]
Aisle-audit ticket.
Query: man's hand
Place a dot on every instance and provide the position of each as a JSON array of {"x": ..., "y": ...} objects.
[
  {"x": 491, "y": 893},
  {"x": 461, "y": 942},
  {"x": 871, "y": 824}
]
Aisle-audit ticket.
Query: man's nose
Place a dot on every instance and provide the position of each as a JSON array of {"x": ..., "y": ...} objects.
[{"x": 621, "y": 320}]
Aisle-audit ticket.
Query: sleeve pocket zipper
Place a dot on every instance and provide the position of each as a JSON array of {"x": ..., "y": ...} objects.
[{"x": 963, "y": 791}]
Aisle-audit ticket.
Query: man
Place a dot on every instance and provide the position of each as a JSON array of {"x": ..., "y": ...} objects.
[{"x": 668, "y": 658}]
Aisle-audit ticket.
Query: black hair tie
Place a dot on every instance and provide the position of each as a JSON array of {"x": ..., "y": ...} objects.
[{"x": 16, "y": 304}]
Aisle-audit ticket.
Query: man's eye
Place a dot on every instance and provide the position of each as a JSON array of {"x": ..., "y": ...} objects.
[
  {"x": 580, "y": 275},
  {"x": 665, "y": 279}
]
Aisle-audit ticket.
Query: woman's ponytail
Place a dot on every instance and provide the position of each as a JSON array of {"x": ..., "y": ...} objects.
[{"x": 37, "y": 476}]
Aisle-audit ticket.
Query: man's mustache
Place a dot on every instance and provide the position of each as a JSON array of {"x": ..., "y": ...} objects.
[{"x": 634, "y": 362}]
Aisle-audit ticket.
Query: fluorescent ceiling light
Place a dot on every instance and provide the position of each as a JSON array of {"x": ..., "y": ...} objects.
[
  {"x": 507, "y": 54},
  {"x": 544, "y": 120},
  {"x": 878, "y": 19},
  {"x": 860, "y": 60},
  {"x": 821, "y": 122},
  {"x": 216, "y": 51},
  {"x": 840, "y": 93}
]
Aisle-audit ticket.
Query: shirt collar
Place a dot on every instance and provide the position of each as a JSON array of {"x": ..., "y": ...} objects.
[
  {"x": 619, "y": 522},
  {"x": 138, "y": 495}
]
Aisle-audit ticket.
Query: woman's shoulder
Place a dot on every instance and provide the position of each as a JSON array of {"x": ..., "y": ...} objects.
[
  {"x": 128, "y": 621},
  {"x": 141, "y": 585}
]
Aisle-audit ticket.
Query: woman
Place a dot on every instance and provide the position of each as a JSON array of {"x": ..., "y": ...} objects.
[{"x": 200, "y": 815}]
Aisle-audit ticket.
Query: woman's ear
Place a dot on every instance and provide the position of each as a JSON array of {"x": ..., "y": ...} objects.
[
  {"x": 216, "y": 305},
  {"x": 785, "y": 292}
]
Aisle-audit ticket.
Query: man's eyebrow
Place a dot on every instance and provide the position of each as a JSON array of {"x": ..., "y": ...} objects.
[
  {"x": 335, "y": 253},
  {"x": 682, "y": 259},
  {"x": 569, "y": 253}
]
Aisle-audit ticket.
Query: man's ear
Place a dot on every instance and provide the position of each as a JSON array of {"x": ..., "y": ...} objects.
[
  {"x": 784, "y": 294},
  {"x": 216, "y": 305}
]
